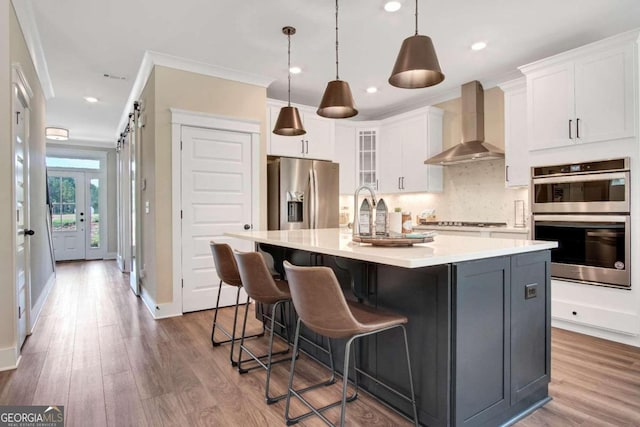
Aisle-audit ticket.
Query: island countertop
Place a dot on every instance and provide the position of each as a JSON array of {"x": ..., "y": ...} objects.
[{"x": 443, "y": 250}]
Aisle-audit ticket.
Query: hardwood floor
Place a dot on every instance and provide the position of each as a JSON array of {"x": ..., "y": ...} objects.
[{"x": 97, "y": 351}]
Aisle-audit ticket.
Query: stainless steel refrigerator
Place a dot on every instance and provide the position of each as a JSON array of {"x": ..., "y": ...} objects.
[{"x": 302, "y": 193}]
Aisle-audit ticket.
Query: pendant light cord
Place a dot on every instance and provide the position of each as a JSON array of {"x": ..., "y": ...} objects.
[
  {"x": 416, "y": 17},
  {"x": 289, "y": 67},
  {"x": 337, "y": 74}
]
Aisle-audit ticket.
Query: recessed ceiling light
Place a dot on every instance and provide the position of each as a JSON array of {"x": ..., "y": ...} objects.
[
  {"x": 295, "y": 70},
  {"x": 372, "y": 89},
  {"x": 392, "y": 6},
  {"x": 91, "y": 99},
  {"x": 478, "y": 45}
]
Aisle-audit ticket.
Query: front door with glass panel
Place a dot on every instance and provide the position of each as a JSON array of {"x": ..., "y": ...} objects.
[
  {"x": 68, "y": 216},
  {"x": 75, "y": 216}
]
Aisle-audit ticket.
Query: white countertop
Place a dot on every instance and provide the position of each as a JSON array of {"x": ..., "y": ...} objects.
[
  {"x": 461, "y": 228},
  {"x": 443, "y": 250}
]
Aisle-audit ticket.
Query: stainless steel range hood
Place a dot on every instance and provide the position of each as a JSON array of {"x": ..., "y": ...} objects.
[{"x": 472, "y": 147}]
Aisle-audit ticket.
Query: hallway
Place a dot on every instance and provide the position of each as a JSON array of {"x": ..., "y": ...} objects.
[{"x": 97, "y": 351}]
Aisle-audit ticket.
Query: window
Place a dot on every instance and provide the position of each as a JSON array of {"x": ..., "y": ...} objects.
[{"x": 69, "y": 163}]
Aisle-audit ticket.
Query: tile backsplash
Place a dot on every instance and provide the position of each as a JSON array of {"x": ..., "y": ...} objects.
[{"x": 472, "y": 192}]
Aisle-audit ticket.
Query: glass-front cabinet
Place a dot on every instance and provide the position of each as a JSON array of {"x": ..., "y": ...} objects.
[{"x": 367, "y": 159}]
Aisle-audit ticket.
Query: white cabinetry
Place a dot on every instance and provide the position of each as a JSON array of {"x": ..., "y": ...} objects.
[
  {"x": 345, "y": 155},
  {"x": 367, "y": 149},
  {"x": 516, "y": 154},
  {"x": 317, "y": 143},
  {"x": 405, "y": 143},
  {"x": 584, "y": 95}
]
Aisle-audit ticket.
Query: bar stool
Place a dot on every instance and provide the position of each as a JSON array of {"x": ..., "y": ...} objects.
[
  {"x": 228, "y": 272},
  {"x": 263, "y": 288},
  {"x": 322, "y": 307}
]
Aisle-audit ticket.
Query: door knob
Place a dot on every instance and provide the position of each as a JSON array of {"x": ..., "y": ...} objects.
[
  {"x": 29, "y": 232},
  {"x": 247, "y": 227},
  {"x": 81, "y": 219}
]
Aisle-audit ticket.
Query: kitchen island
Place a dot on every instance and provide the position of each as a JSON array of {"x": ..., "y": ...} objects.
[{"x": 478, "y": 310}]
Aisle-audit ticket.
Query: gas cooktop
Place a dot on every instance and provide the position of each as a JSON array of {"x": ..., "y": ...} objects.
[{"x": 464, "y": 223}]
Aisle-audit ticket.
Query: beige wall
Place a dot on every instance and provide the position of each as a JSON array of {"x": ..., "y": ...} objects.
[
  {"x": 13, "y": 49},
  {"x": 146, "y": 140},
  {"x": 194, "y": 92},
  {"x": 41, "y": 266}
]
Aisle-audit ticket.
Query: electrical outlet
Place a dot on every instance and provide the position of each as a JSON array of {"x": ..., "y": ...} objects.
[{"x": 531, "y": 291}]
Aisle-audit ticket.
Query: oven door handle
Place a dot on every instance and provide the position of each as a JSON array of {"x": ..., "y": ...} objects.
[{"x": 583, "y": 178}]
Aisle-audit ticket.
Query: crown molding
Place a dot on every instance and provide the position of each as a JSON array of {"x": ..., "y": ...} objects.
[
  {"x": 27, "y": 21},
  {"x": 151, "y": 59},
  {"x": 632, "y": 36}
]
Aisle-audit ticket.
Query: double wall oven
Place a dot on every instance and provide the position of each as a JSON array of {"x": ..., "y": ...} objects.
[{"x": 585, "y": 208}]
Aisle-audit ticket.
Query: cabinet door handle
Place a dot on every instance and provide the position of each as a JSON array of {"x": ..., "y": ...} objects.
[
  {"x": 506, "y": 173},
  {"x": 302, "y": 150},
  {"x": 398, "y": 183},
  {"x": 578, "y": 128},
  {"x": 402, "y": 181},
  {"x": 570, "y": 128},
  {"x": 307, "y": 150}
]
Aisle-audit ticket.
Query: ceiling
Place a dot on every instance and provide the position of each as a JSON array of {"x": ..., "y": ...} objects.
[{"x": 82, "y": 40}]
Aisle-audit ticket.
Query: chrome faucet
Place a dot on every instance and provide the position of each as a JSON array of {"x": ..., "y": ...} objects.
[{"x": 356, "y": 222}]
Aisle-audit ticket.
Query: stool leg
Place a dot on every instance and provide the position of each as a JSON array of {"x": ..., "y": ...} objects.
[
  {"x": 291, "y": 371},
  {"x": 413, "y": 396},
  {"x": 269, "y": 399},
  {"x": 345, "y": 380},
  {"x": 215, "y": 317},
  {"x": 244, "y": 328},
  {"x": 233, "y": 333}
]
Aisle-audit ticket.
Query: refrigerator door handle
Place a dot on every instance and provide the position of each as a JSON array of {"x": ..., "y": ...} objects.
[{"x": 312, "y": 198}]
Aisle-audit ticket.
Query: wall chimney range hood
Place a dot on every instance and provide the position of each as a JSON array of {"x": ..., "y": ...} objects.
[{"x": 472, "y": 147}]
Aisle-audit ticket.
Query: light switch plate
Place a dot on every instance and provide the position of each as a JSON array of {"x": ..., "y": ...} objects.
[{"x": 147, "y": 206}]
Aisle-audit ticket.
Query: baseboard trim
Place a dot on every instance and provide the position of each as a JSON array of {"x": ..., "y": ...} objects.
[
  {"x": 110, "y": 255},
  {"x": 159, "y": 311},
  {"x": 37, "y": 309},
  {"x": 9, "y": 358}
]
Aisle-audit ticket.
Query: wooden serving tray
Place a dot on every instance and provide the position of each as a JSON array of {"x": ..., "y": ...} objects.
[{"x": 392, "y": 241}]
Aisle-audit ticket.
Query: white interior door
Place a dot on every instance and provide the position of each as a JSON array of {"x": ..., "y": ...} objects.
[
  {"x": 216, "y": 198},
  {"x": 21, "y": 159},
  {"x": 69, "y": 218}
]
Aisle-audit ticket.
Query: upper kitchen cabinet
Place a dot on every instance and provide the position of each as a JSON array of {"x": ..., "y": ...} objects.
[
  {"x": 317, "y": 143},
  {"x": 357, "y": 152},
  {"x": 405, "y": 142},
  {"x": 516, "y": 153},
  {"x": 584, "y": 95},
  {"x": 345, "y": 155}
]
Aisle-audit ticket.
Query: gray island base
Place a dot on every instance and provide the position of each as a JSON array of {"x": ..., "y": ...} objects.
[{"x": 479, "y": 328}]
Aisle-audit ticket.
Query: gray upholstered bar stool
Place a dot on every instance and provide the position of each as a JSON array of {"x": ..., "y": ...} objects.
[
  {"x": 263, "y": 288},
  {"x": 227, "y": 270},
  {"x": 322, "y": 307}
]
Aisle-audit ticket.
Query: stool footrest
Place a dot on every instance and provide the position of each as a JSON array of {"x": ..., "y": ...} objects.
[{"x": 377, "y": 381}]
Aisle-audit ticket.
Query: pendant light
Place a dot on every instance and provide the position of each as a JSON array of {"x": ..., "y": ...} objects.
[
  {"x": 417, "y": 64},
  {"x": 337, "y": 101},
  {"x": 289, "y": 123}
]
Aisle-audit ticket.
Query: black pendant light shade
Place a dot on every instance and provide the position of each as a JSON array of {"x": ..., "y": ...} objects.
[
  {"x": 337, "y": 101},
  {"x": 289, "y": 123},
  {"x": 417, "y": 65}
]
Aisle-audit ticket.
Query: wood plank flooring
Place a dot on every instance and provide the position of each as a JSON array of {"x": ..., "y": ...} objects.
[{"x": 97, "y": 351}]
